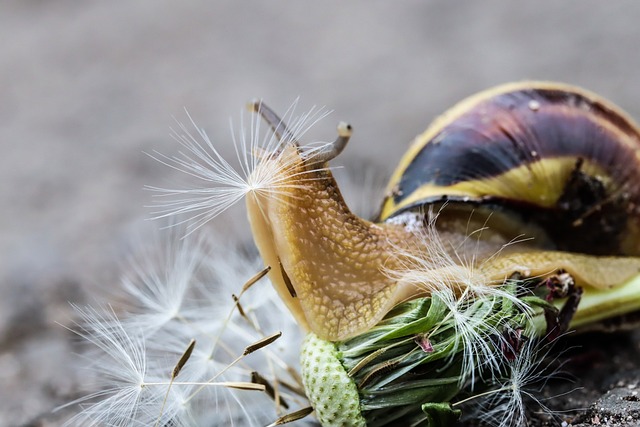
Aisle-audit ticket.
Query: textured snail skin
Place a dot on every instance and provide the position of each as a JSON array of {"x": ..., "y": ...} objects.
[
  {"x": 333, "y": 265},
  {"x": 333, "y": 259}
]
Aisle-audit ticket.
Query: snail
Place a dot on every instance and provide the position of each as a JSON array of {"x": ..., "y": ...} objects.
[{"x": 549, "y": 164}]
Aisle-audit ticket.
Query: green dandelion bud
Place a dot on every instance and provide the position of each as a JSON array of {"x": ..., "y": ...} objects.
[
  {"x": 428, "y": 357},
  {"x": 329, "y": 388}
]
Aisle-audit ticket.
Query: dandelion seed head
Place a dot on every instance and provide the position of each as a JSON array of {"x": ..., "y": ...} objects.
[{"x": 181, "y": 293}]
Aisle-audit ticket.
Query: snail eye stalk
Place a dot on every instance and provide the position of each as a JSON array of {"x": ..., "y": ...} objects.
[
  {"x": 278, "y": 126},
  {"x": 331, "y": 151}
]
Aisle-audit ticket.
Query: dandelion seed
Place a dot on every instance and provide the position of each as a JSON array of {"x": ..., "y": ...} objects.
[
  {"x": 293, "y": 416},
  {"x": 472, "y": 333},
  {"x": 121, "y": 363},
  {"x": 270, "y": 389},
  {"x": 174, "y": 373},
  {"x": 139, "y": 382},
  {"x": 160, "y": 278},
  {"x": 263, "y": 169},
  {"x": 518, "y": 390}
]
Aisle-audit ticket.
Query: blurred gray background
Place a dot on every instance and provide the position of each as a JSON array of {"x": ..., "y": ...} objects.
[{"x": 87, "y": 87}]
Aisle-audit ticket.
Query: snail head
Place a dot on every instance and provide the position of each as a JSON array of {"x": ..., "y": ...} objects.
[{"x": 327, "y": 263}]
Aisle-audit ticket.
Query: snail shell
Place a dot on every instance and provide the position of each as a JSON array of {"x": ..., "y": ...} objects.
[
  {"x": 547, "y": 163},
  {"x": 544, "y": 154}
]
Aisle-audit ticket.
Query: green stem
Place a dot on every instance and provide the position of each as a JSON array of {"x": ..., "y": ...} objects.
[{"x": 597, "y": 304}]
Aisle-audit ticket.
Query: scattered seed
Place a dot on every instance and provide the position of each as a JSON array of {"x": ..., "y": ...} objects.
[
  {"x": 293, "y": 416},
  {"x": 261, "y": 343},
  {"x": 255, "y": 278},
  {"x": 183, "y": 359},
  {"x": 269, "y": 389}
]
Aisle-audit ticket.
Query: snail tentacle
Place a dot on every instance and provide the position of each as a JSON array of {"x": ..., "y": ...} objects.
[
  {"x": 332, "y": 150},
  {"x": 279, "y": 127}
]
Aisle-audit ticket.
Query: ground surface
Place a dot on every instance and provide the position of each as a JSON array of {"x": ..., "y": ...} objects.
[{"x": 87, "y": 87}]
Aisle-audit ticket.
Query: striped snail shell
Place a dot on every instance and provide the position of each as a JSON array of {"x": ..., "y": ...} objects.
[
  {"x": 544, "y": 154},
  {"x": 548, "y": 164}
]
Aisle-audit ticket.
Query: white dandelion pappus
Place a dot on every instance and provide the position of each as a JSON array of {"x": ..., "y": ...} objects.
[
  {"x": 519, "y": 388},
  {"x": 224, "y": 185},
  {"x": 159, "y": 295},
  {"x": 120, "y": 361},
  {"x": 135, "y": 353},
  {"x": 455, "y": 277}
]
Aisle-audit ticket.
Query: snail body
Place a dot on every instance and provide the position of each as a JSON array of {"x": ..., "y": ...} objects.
[{"x": 549, "y": 164}]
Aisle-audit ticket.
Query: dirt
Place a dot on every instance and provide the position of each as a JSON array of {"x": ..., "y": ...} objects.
[{"x": 602, "y": 385}]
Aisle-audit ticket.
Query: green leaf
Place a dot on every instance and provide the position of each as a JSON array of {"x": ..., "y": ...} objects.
[
  {"x": 440, "y": 414},
  {"x": 436, "y": 310},
  {"x": 411, "y": 393}
]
